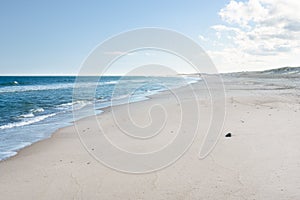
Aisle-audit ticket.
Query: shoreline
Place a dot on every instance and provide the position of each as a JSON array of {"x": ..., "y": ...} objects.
[{"x": 105, "y": 109}]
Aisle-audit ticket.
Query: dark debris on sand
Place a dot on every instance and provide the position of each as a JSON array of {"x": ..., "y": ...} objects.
[{"x": 228, "y": 135}]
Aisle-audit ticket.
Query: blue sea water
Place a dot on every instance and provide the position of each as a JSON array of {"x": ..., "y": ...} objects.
[{"x": 32, "y": 108}]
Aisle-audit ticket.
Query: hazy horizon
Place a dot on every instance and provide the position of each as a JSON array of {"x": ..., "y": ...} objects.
[{"x": 74, "y": 75}]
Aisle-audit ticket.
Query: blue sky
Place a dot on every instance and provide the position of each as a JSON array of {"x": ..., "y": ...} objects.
[
  {"x": 54, "y": 37},
  {"x": 46, "y": 37}
]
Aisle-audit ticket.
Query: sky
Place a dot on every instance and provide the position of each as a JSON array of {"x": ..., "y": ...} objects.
[{"x": 54, "y": 37}]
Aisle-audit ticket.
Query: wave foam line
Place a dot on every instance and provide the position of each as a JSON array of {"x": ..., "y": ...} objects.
[{"x": 26, "y": 122}]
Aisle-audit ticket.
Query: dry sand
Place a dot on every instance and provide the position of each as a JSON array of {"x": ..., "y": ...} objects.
[{"x": 260, "y": 161}]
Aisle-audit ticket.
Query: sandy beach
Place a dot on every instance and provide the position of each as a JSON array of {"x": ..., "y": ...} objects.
[
  {"x": 259, "y": 161},
  {"x": 150, "y": 100}
]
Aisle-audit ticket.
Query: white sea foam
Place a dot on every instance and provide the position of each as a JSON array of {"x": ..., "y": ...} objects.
[
  {"x": 37, "y": 110},
  {"x": 64, "y": 105},
  {"x": 26, "y": 122},
  {"x": 31, "y": 113},
  {"x": 75, "y": 105},
  {"x": 7, "y": 154},
  {"x": 19, "y": 146},
  {"x": 108, "y": 83},
  {"x": 28, "y": 115},
  {"x": 191, "y": 80}
]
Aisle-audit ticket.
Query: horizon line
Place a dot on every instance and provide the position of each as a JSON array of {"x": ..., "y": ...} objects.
[{"x": 5, "y": 75}]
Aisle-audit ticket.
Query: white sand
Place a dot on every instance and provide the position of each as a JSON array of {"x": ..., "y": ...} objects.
[{"x": 260, "y": 161}]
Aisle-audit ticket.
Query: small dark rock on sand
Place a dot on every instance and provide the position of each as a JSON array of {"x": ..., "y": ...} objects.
[{"x": 228, "y": 135}]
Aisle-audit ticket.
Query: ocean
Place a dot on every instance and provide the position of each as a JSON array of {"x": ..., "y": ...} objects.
[{"x": 34, "y": 107}]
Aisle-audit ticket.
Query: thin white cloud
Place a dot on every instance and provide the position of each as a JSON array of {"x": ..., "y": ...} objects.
[{"x": 261, "y": 33}]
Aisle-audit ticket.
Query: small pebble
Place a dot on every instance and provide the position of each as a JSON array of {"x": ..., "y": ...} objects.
[{"x": 228, "y": 135}]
